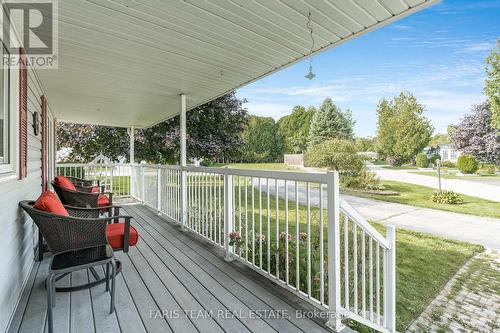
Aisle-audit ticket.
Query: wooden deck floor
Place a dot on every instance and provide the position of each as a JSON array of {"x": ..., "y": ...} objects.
[{"x": 171, "y": 281}]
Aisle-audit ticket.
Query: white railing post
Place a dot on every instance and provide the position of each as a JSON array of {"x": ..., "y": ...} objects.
[
  {"x": 131, "y": 183},
  {"x": 333, "y": 211},
  {"x": 390, "y": 280},
  {"x": 184, "y": 199},
  {"x": 228, "y": 213},
  {"x": 143, "y": 194},
  {"x": 111, "y": 178},
  {"x": 158, "y": 189}
]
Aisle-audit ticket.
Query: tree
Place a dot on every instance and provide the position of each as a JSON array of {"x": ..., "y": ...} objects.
[
  {"x": 88, "y": 141},
  {"x": 365, "y": 144},
  {"x": 476, "y": 136},
  {"x": 213, "y": 133},
  {"x": 492, "y": 84},
  {"x": 335, "y": 154},
  {"x": 294, "y": 129},
  {"x": 439, "y": 139},
  {"x": 402, "y": 129},
  {"x": 262, "y": 141},
  {"x": 330, "y": 122}
]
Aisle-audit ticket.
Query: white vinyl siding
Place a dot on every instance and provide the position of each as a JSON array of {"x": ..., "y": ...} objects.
[{"x": 19, "y": 236}]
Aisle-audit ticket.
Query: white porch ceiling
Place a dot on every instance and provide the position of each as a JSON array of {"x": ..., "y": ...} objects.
[{"x": 125, "y": 62}]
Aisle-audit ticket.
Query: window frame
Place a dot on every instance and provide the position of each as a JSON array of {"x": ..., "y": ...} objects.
[{"x": 8, "y": 168}]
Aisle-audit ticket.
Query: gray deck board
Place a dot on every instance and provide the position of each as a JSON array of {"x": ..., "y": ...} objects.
[
  {"x": 82, "y": 317},
  {"x": 169, "y": 272},
  {"x": 210, "y": 261},
  {"x": 23, "y": 301}
]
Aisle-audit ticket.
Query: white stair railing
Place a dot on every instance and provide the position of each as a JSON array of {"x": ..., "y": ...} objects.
[{"x": 321, "y": 249}]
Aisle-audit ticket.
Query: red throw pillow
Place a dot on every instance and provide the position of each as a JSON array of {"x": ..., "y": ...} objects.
[
  {"x": 64, "y": 183},
  {"x": 115, "y": 233},
  {"x": 48, "y": 202},
  {"x": 102, "y": 200}
]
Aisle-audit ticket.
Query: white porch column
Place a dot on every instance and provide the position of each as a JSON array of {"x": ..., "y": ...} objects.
[
  {"x": 183, "y": 163},
  {"x": 131, "y": 134}
]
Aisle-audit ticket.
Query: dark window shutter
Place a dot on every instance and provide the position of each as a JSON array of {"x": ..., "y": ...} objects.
[
  {"x": 23, "y": 114},
  {"x": 44, "y": 159}
]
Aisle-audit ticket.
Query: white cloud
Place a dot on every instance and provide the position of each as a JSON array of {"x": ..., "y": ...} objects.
[
  {"x": 273, "y": 110},
  {"x": 479, "y": 47}
]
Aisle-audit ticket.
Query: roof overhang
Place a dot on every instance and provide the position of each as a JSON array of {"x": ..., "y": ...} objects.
[{"x": 125, "y": 62}]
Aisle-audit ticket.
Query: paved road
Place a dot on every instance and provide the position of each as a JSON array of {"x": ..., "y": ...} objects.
[
  {"x": 469, "y": 228},
  {"x": 468, "y": 187}
]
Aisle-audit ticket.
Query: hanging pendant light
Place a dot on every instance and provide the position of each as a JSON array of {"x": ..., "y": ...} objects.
[{"x": 310, "y": 75}]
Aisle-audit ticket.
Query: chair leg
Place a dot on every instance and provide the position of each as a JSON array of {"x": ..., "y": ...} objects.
[
  {"x": 50, "y": 298},
  {"x": 113, "y": 285},
  {"x": 107, "y": 277},
  {"x": 53, "y": 290}
]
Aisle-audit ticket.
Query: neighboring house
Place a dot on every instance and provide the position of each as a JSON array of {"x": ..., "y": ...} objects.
[{"x": 446, "y": 151}]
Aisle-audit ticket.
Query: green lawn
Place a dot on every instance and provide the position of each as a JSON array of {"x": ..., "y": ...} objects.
[
  {"x": 402, "y": 167},
  {"x": 424, "y": 263},
  {"x": 259, "y": 166},
  {"x": 452, "y": 175},
  {"x": 419, "y": 196}
]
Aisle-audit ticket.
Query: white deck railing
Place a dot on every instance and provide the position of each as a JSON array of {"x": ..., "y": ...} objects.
[{"x": 322, "y": 249}]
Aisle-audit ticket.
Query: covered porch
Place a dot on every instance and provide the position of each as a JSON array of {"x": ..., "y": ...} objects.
[
  {"x": 220, "y": 249},
  {"x": 171, "y": 282}
]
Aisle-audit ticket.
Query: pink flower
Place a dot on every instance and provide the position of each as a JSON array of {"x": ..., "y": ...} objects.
[
  {"x": 235, "y": 236},
  {"x": 259, "y": 237},
  {"x": 284, "y": 236}
]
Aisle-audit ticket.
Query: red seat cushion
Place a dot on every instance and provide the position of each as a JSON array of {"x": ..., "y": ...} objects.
[
  {"x": 102, "y": 200},
  {"x": 48, "y": 202},
  {"x": 115, "y": 233},
  {"x": 64, "y": 183},
  {"x": 96, "y": 189}
]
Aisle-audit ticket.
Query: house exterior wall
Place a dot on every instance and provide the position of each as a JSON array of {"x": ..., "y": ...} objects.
[
  {"x": 449, "y": 154},
  {"x": 19, "y": 235}
]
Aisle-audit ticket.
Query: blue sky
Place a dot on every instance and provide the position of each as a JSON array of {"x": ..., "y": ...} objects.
[{"x": 437, "y": 54}]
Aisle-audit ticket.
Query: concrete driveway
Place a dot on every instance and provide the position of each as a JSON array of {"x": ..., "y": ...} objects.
[
  {"x": 469, "y": 228},
  {"x": 468, "y": 187},
  {"x": 474, "y": 229}
]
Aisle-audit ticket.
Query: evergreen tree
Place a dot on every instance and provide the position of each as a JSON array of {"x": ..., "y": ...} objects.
[{"x": 330, "y": 122}]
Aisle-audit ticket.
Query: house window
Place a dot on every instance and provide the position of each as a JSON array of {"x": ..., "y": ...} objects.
[
  {"x": 445, "y": 155},
  {"x": 5, "y": 158},
  {"x": 453, "y": 155}
]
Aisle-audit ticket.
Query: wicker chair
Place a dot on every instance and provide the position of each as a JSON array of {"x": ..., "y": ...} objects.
[
  {"x": 82, "y": 198},
  {"x": 85, "y": 185},
  {"x": 76, "y": 243}
]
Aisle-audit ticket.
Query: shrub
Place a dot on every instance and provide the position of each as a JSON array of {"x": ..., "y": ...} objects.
[
  {"x": 370, "y": 181},
  {"x": 422, "y": 161},
  {"x": 393, "y": 161},
  {"x": 488, "y": 169},
  {"x": 467, "y": 164},
  {"x": 448, "y": 164},
  {"x": 447, "y": 197},
  {"x": 335, "y": 154},
  {"x": 434, "y": 158},
  {"x": 366, "y": 180}
]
